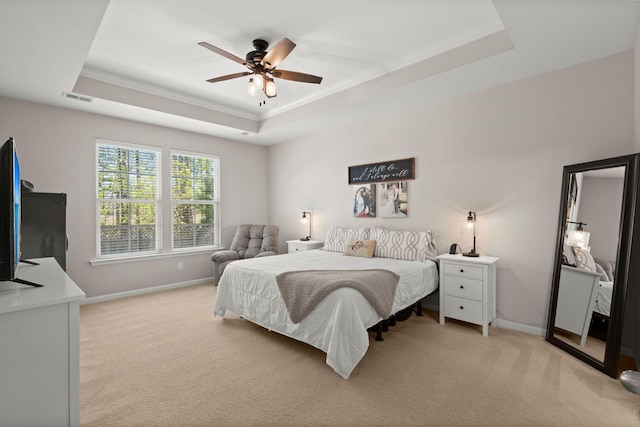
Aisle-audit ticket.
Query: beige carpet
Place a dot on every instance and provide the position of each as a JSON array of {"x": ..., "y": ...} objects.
[{"x": 163, "y": 359}]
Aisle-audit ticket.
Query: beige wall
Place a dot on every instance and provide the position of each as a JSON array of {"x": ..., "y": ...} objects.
[
  {"x": 499, "y": 151},
  {"x": 56, "y": 148}
]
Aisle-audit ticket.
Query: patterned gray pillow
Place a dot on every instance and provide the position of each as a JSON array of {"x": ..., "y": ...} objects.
[
  {"x": 405, "y": 245},
  {"x": 337, "y": 237}
]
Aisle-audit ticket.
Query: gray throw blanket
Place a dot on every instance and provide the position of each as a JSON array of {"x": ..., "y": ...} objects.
[{"x": 302, "y": 291}]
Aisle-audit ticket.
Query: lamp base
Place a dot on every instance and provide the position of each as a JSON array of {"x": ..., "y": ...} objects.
[
  {"x": 305, "y": 239},
  {"x": 471, "y": 254}
]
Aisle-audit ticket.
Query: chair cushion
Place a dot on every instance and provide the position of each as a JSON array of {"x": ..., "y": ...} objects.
[
  {"x": 224, "y": 256},
  {"x": 252, "y": 239}
]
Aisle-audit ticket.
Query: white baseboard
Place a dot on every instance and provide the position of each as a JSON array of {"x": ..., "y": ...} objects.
[
  {"x": 500, "y": 323},
  {"x": 118, "y": 295}
]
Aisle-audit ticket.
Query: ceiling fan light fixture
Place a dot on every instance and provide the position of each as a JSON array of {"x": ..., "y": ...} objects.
[
  {"x": 258, "y": 81},
  {"x": 270, "y": 87},
  {"x": 262, "y": 67},
  {"x": 251, "y": 89}
]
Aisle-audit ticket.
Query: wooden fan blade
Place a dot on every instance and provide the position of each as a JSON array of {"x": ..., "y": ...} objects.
[
  {"x": 295, "y": 76},
  {"x": 227, "y": 55},
  {"x": 229, "y": 77},
  {"x": 278, "y": 53}
]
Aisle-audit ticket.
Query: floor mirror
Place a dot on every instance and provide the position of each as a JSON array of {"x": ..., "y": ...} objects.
[{"x": 593, "y": 260}]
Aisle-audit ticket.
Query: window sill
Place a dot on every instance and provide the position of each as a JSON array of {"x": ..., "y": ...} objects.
[{"x": 134, "y": 258}]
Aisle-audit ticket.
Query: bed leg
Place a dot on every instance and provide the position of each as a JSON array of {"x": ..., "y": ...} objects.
[
  {"x": 379, "y": 332},
  {"x": 419, "y": 308},
  {"x": 392, "y": 320}
]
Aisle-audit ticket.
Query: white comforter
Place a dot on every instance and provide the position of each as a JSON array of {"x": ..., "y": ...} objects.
[
  {"x": 603, "y": 300},
  {"x": 338, "y": 325}
]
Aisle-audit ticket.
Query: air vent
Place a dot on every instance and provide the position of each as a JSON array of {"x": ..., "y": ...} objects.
[{"x": 77, "y": 97}]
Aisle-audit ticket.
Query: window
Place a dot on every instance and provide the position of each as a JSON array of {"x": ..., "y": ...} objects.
[
  {"x": 128, "y": 198},
  {"x": 194, "y": 200}
]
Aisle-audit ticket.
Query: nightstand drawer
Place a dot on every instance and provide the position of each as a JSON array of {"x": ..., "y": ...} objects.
[
  {"x": 294, "y": 247},
  {"x": 463, "y": 287},
  {"x": 463, "y": 309},
  {"x": 303, "y": 245},
  {"x": 463, "y": 270}
]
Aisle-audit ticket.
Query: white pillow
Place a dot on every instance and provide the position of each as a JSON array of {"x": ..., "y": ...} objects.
[
  {"x": 337, "y": 237},
  {"x": 406, "y": 245}
]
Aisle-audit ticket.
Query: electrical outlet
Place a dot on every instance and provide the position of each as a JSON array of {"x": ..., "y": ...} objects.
[{"x": 180, "y": 266}]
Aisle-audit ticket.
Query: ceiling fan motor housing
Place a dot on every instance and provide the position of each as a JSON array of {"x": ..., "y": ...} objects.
[{"x": 260, "y": 51}]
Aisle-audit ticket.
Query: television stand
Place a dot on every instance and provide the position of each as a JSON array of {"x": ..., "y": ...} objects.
[
  {"x": 40, "y": 349},
  {"x": 26, "y": 282}
]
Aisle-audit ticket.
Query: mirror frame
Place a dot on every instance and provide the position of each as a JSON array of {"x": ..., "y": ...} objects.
[{"x": 625, "y": 240}]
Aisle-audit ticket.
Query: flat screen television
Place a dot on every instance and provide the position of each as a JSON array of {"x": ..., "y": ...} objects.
[{"x": 10, "y": 214}]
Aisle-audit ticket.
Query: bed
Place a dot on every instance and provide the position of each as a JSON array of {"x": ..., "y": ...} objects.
[
  {"x": 603, "y": 299},
  {"x": 339, "y": 324},
  {"x": 607, "y": 270}
]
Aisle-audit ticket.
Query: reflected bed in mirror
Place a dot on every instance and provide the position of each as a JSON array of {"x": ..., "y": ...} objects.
[{"x": 591, "y": 270}]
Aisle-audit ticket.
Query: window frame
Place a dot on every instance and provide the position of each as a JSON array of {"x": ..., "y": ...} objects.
[
  {"x": 214, "y": 202},
  {"x": 157, "y": 201}
]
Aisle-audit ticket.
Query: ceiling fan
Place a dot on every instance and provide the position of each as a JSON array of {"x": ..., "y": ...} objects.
[{"x": 262, "y": 66}]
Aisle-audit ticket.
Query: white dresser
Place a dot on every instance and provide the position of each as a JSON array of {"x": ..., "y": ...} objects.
[
  {"x": 40, "y": 348},
  {"x": 577, "y": 292},
  {"x": 303, "y": 245},
  {"x": 468, "y": 289}
]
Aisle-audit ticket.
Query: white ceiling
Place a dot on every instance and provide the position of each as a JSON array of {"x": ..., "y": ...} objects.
[{"x": 139, "y": 59}]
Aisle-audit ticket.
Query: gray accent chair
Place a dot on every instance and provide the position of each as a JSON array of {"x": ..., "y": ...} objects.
[{"x": 250, "y": 241}]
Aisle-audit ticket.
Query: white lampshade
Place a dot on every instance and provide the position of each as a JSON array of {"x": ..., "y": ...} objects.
[
  {"x": 305, "y": 225},
  {"x": 470, "y": 227},
  {"x": 270, "y": 88},
  {"x": 251, "y": 89},
  {"x": 258, "y": 81},
  {"x": 578, "y": 238}
]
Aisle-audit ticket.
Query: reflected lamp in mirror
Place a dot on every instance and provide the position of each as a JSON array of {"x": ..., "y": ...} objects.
[
  {"x": 470, "y": 226},
  {"x": 305, "y": 226},
  {"x": 578, "y": 237}
]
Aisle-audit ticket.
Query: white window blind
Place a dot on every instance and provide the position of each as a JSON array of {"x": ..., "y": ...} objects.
[
  {"x": 194, "y": 199},
  {"x": 128, "y": 198}
]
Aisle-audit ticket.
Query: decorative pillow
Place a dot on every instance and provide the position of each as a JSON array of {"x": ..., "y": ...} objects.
[
  {"x": 569, "y": 255},
  {"x": 363, "y": 248},
  {"x": 406, "y": 245},
  {"x": 584, "y": 259},
  {"x": 609, "y": 267},
  {"x": 603, "y": 273},
  {"x": 337, "y": 237},
  {"x": 429, "y": 244}
]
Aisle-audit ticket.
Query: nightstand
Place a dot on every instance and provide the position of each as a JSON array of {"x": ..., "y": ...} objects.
[
  {"x": 303, "y": 245},
  {"x": 468, "y": 289}
]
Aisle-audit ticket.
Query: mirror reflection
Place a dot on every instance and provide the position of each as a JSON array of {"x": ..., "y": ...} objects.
[{"x": 589, "y": 250}]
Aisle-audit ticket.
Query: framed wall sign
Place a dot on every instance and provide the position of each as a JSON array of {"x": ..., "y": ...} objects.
[{"x": 395, "y": 170}]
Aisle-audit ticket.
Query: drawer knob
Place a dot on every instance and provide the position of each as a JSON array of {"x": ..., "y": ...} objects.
[
  {"x": 461, "y": 308},
  {"x": 461, "y": 286},
  {"x": 461, "y": 270}
]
